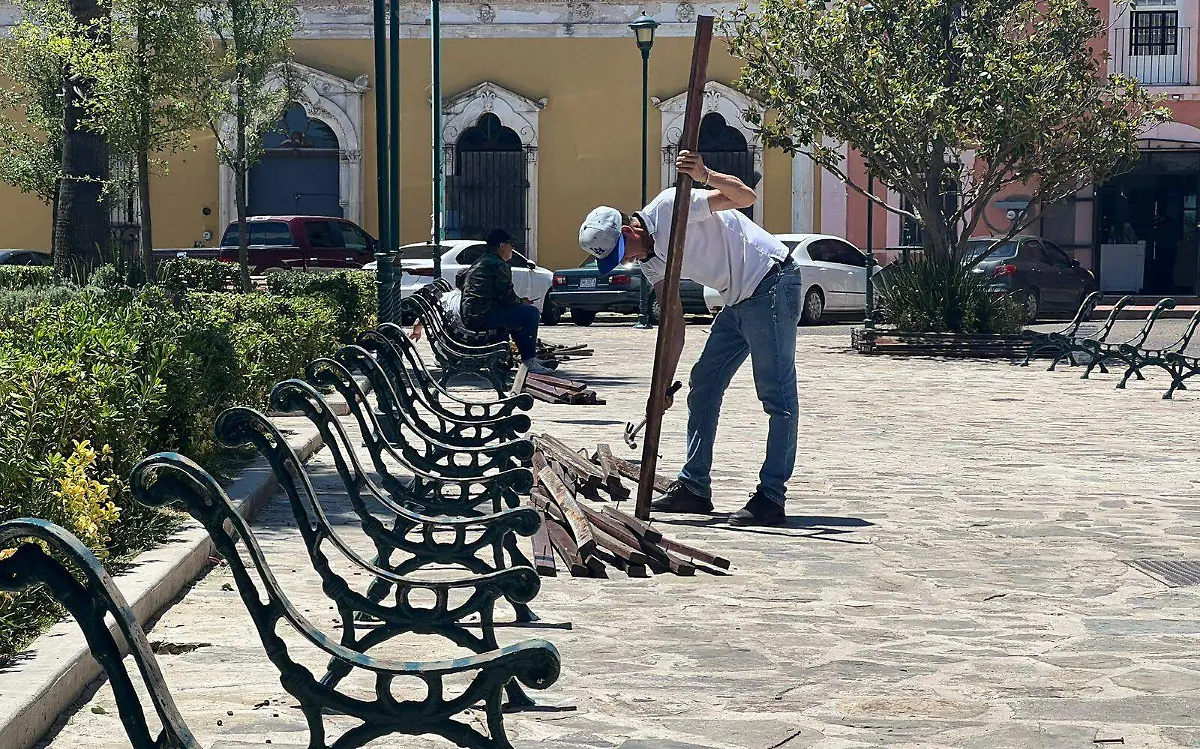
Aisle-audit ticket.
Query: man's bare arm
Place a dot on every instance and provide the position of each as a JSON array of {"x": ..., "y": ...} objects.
[
  {"x": 675, "y": 343},
  {"x": 728, "y": 191}
]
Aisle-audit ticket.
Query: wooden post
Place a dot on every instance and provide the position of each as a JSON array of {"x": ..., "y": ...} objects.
[{"x": 669, "y": 321}]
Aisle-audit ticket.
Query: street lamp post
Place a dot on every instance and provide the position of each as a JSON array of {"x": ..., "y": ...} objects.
[
  {"x": 869, "y": 317},
  {"x": 643, "y": 31}
]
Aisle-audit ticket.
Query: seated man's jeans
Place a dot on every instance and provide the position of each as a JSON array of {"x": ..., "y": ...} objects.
[{"x": 519, "y": 320}]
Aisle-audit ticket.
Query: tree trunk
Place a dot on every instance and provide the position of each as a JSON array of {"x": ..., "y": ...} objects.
[
  {"x": 81, "y": 234},
  {"x": 145, "y": 229},
  {"x": 54, "y": 213},
  {"x": 240, "y": 199},
  {"x": 145, "y": 232}
]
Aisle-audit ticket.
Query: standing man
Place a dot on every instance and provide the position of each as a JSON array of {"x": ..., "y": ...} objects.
[
  {"x": 760, "y": 286},
  {"x": 490, "y": 303}
]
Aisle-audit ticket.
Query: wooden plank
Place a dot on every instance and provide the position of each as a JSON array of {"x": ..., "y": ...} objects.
[
  {"x": 539, "y": 461},
  {"x": 575, "y": 517},
  {"x": 543, "y": 552},
  {"x": 596, "y": 567},
  {"x": 559, "y": 382},
  {"x": 669, "y": 320},
  {"x": 566, "y": 548},
  {"x": 618, "y": 548},
  {"x": 632, "y": 472},
  {"x": 642, "y": 528},
  {"x": 612, "y": 480},
  {"x": 555, "y": 448},
  {"x": 612, "y": 527},
  {"x": 542, "y": 501}
]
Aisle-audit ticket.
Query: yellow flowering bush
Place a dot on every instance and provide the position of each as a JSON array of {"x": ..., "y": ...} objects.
[{"x": 85, "y": 502}]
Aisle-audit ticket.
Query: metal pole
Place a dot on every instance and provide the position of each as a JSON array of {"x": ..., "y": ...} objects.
[
  {"x": 394, "y": 125},
  {"x": 644, "y": 289},
  {"x": 435, "y": 43},
  {"x": 869, "y": 317},
  {"x": 383, "y": 273}
]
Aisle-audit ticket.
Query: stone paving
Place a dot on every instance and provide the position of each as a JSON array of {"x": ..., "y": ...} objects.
[{"x": 952, "y": 575}]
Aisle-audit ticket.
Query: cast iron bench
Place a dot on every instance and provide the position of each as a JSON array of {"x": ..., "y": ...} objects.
[
  {"x": 458, "y": 350},
  {"x": 401, "y": 400},
  {"x": 426, "y": 495},
  {"x": 239, "y": 426},
  {"x": 423, "y": 445},
  {"x": 1100, "y": 351},
  {"x": 1136, "y": 357},
  {"x": 90, "y": 597},
  {"x": 1070, "y": 345},
  {"x": 1058, "y": 341}
]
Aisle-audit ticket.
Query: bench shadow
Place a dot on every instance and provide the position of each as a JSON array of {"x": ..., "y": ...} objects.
[{"x": 821, "y": 527}]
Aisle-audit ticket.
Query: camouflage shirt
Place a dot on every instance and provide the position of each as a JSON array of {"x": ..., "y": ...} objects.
[{"x": 487, "y": 286}]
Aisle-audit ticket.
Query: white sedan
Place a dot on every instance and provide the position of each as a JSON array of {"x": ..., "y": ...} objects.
[
  {"x": 530, "y": 281},
  {"x": 833, "y": 273}
]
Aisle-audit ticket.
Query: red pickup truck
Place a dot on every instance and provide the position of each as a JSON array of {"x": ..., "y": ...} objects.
[{"x": 320, "y": 243}]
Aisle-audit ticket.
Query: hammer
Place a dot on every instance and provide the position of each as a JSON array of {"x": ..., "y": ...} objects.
[{"x": 631, "y": 432}]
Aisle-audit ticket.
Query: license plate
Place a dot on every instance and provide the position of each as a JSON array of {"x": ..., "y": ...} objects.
[{"x": 587, "y": 283}]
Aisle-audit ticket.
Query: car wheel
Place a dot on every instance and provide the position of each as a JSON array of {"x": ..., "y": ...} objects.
[
  {"x": 655, "y": 311},
  {"x": 1032, "y": 304},
  {"x": 814, "y": 307},
  {"x": 551, "y": 314},
  {"x": 582, "y": 318}
]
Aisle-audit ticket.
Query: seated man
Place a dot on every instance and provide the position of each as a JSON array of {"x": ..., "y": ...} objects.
[{"x": 490, "y": 303}]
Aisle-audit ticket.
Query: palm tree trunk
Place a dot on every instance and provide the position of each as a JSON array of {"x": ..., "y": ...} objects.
[{"x": 81, "y": 232}]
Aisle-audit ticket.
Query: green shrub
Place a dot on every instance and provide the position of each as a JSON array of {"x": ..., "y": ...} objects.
[
  {"x": 181, "y": 275},
  {"x": 92, "y": 379},
  {"x": 26, "y": 276},
  {"x": 352, "y": 293},
  {"x": 941, "y": 295}
]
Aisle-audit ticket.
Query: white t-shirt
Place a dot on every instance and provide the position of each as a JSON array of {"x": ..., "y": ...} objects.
[{"x": 724, "y": 250}]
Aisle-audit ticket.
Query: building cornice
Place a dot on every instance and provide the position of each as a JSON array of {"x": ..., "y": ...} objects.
[{"x": 483, "y": 20}]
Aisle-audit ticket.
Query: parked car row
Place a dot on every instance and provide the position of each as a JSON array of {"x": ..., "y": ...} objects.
[{"x": 832, "y": 270}]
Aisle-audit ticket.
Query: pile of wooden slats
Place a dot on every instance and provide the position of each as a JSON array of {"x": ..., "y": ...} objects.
[
  {"x": 553, "y": 389},
  {"x": 562, "y": 352},
  {"x": 590, "y": 539}
]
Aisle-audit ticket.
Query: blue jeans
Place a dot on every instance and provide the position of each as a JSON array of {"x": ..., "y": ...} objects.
[
  {"x": 762, "y": 327},
  {"x": 520, "y": 321}
]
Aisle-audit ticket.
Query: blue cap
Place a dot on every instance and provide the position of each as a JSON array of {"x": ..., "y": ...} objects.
[{"x": 600, "y": 236}]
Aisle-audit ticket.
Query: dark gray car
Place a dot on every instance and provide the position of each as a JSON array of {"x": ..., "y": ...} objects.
[
  {"x": 585, "y": 292},
  {"x": 1034, "y": 271}
]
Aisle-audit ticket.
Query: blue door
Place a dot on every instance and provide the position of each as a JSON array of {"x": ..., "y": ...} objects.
[{"x": 298, "y": 172}]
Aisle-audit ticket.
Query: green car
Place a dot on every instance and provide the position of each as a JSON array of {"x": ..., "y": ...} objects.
[{"x": 586, "y": 293}]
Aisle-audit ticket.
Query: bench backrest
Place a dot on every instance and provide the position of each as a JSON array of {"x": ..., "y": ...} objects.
[{"x": 89, "y": 601}]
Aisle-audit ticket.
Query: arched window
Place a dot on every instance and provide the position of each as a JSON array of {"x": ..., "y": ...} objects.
[{"x": 724, "y": 149}]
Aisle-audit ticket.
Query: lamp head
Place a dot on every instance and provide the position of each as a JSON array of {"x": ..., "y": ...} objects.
[{"x": 643, "y": 31}]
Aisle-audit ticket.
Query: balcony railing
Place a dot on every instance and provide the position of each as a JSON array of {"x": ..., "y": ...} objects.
[{"x": 1156, "y": 57}]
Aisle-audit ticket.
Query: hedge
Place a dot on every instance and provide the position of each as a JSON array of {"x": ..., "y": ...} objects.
[
  {"x": 352, "y": 293},
  {"x": 93, "y": 378}
]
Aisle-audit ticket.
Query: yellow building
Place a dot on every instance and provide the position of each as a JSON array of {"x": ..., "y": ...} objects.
[{"x": 541, "y": 121}]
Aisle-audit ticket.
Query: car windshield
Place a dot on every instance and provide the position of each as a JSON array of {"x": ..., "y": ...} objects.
[
  {"x": 978, "y": 248},
  {"x": 417, "y": 252}
]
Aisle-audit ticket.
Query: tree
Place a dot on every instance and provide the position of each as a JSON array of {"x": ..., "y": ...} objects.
[
  {"x": 31, "y": 111},
  {"x": 919, "y": 86},
  {"x": 81, "y": 219},
  {"x": 252, "y": 40},
  {"x": 150, "y": 88}
]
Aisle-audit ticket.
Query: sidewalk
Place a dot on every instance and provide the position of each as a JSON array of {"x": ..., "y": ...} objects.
[{"x": 952, "y": 575}]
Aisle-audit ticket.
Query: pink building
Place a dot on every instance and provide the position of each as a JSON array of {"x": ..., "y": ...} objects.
[{"x": 1138, "y": 232}]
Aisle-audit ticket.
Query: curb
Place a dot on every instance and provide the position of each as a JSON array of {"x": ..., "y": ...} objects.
[{"x": 59, "y": 665}]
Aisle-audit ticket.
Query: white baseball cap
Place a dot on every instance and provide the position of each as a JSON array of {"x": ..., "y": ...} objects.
[{"x": 600, "y": 236}]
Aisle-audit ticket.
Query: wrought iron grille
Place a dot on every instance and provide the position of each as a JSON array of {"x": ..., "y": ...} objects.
[
  {"x": 1155, "y": 50},
  {"x": 486, "y": 190}
]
